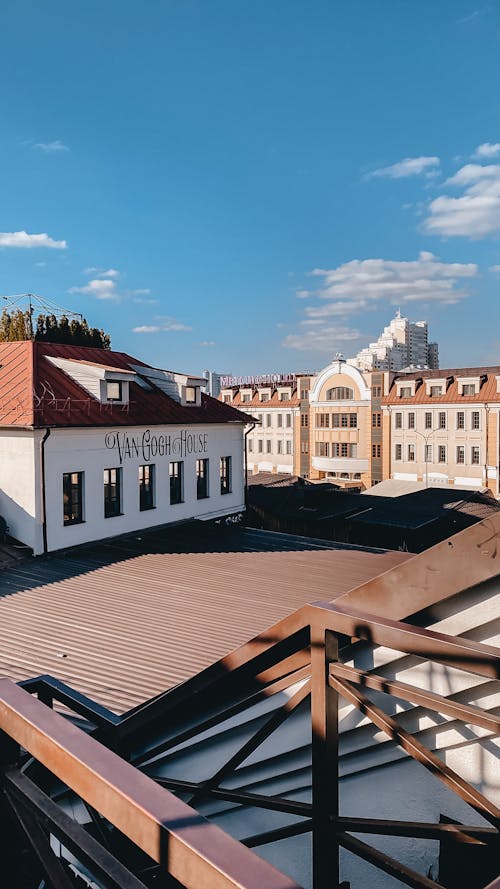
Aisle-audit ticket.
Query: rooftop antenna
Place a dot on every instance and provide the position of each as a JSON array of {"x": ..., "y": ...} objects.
[
  {"x": 339, "y": 356},
  {"x": 27, "y": 302}
]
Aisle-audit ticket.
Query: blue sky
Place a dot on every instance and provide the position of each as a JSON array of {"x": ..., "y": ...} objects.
[{"x": 255, "y": 186}]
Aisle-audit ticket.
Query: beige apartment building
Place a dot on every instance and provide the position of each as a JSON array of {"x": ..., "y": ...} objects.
[
  {"x": 346, "y": 429},
  {"x": 441, "y": 427},
  {"x": 279, "y": 404}
]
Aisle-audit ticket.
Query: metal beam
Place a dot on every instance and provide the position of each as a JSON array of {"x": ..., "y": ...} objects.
[
  {"x": 389, "y": 865},
  {"x": 194, "y": 851},
  {"x": 414, "y": 748}
]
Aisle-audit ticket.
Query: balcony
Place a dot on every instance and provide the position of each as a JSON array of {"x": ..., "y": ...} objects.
[{"x": 340, "y": 464}]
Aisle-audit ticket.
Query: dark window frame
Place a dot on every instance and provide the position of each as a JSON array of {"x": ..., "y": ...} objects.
[
  {"x": 202, "y": 479},
  {"x": 112, "y": 501},
  {"x": 225, "y": 472},
  {"x": 69, "y": 489},
  {"x": 146, "y": 486},
  {"x": 176, "y": 479}
]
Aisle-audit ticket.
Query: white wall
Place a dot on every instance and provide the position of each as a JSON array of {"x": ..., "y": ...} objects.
[
  {"x": 85, "y": 450},
  {"x": 19, "y": 483}
]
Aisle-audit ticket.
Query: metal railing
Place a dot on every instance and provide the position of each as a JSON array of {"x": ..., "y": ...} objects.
[{"x": 308, "y": 646}]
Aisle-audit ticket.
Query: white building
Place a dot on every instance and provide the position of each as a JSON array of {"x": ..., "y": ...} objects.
[
  {"x": 95, "y": 444},
  {"x": 403, "y": 343}
]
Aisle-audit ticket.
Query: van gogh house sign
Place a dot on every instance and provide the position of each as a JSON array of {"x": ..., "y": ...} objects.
[{"x": 149, "y": 445}]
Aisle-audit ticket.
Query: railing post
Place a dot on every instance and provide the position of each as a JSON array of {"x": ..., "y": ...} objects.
[{"x": 325, "y": 788}]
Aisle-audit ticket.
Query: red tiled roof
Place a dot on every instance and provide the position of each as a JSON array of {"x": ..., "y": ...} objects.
[
  {"x": 487, "y": 392},
  {"x": 35, "y": 392}
]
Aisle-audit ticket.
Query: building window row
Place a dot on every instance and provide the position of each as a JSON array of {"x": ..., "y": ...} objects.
[
  {"x": 74, "y": 487},
  {"x": 337, "y": 421},
  {"x": 336, "y": 449},
  {"x": 281, "y": 420},
  {"x": 439, "y": 421},
  {"x": 441, "y": 454},
  {"x": 265, "y": 446}
]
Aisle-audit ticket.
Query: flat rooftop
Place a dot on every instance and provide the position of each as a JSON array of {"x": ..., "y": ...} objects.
[{"x": 125, "y": 619}]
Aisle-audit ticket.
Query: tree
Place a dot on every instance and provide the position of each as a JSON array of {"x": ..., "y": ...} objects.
[{"x": 18, "y": 326}]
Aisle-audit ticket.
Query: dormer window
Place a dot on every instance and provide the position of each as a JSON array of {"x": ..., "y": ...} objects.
[
  {"x": 435, "y": 388},
  {"x": 405, "y": 392},
  {"x": 114, "y": 390},
  {"x": 435, "y": 391},
  {"x": 469, "y": 385},
  {"x": 191, "y": 394},
  {"x": 265, "y": 396},
  {"x": 406, "y": 388}
]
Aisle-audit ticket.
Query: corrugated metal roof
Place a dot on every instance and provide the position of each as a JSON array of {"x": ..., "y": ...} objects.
[
  {"x": 35, "y": 392},
  {"x": 124, "y": 620}
]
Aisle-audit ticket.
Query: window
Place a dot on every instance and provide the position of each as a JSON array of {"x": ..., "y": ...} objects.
[
  {"x": 146, "y": 486},
  {"x": 284, "y": 396},
  {"x": 225, "y": 475},
  {"x": 442, "y": 420},
  {"x": 322, "y": 449},
  {"x": 468, "y": 389},
  {"x": 246, "y": 398},
  {"x": 112, "y": 492},
  {"x": 114, "y": 391},
  {"x": 435, "y": 391},
  {"x": 304, "y": 393},
  {"x": 376, "y": 450},
  {"x": 250, "y": 445},
  {"x": 344, "y": 419},
  {"x": 411, "y": 453},
  {"x": 259, "y": 445},
  {"x": 376, "y": 418},
  {"x": 269, "y": 420},
  {"x": 344, "y": 449},
  {"x": 227, "y": 398},
  {"x": 176, "y": 482},
  {"x": 411, "y": 420},
  {"x": 475, "y": 420},
  {"x": 280, "y": 447},
  {"x": 304, "y": 447},
  {"x": 73, "y": 498},
  {"x": 280, "y": 420},
  {"x": 405, "y": 392},
  {"x": 398, "y": 420},
  {"x": 322, "y": 421},
  {"x": 353, "y": 421},
  {"x": 288, "y": 419},
  {"x": 190, "y": 394},
  {"x": 340, "y": 393},
  {"x": 460, "y": 421},
  {"x": 376, "y": 391},
  {"x": 442, "y": 454},
  {"x": 259, "y": 418},
  {"x": 460, "y": 454},
  {"x": 264, "y": 396},
  {"x": 428, "y": 420},
  {"x": 289, "y": 447},
  {"x": 304, "y": 420},
  {"x": 268, "y": 445},
  {"x": 398, "y": 453},
  {"x": 475, "y": 455},
  {"x": 202, "y": 479},
  {"x": 428, "y": 453}
]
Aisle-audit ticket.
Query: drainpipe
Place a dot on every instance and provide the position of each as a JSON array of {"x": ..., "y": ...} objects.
[
  {"x": 44, "y": 506},
  {"x": 245, "y": 460}
]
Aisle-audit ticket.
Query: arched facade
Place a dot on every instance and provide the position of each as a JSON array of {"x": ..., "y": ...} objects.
[{"x": 340, "y": 403}]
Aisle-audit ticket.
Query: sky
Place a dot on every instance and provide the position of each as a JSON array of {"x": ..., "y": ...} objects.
[{"x": 255, "y": 187}]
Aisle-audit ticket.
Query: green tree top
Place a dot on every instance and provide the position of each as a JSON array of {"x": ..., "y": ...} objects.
[{"x": 19, "y": 325}]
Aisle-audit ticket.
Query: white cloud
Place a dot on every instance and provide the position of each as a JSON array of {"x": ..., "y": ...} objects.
[
  {"x": 475, "y": 212},
  {"x": 207, "y": 343},
  {"x": 473, "y": 17},
  {"x": 165, "y": 324},
  {"x": 302, "y": 294},
  {"x": 487, "y": 150},
  {"x": 51, "y": 147},
  {"x": 321, "y": 338},
  {"x": 23, "y": 240},
  {"x": 409, "y": 166},
  {"x": 353, "y": 285},
  {"x": 101, "y": 288},
  {"x": 495, "y": 269},
  {"x": 102, "y": 273}
]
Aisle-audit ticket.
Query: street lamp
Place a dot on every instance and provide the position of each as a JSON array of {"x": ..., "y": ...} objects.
[{"x": 426, "y": 437}]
